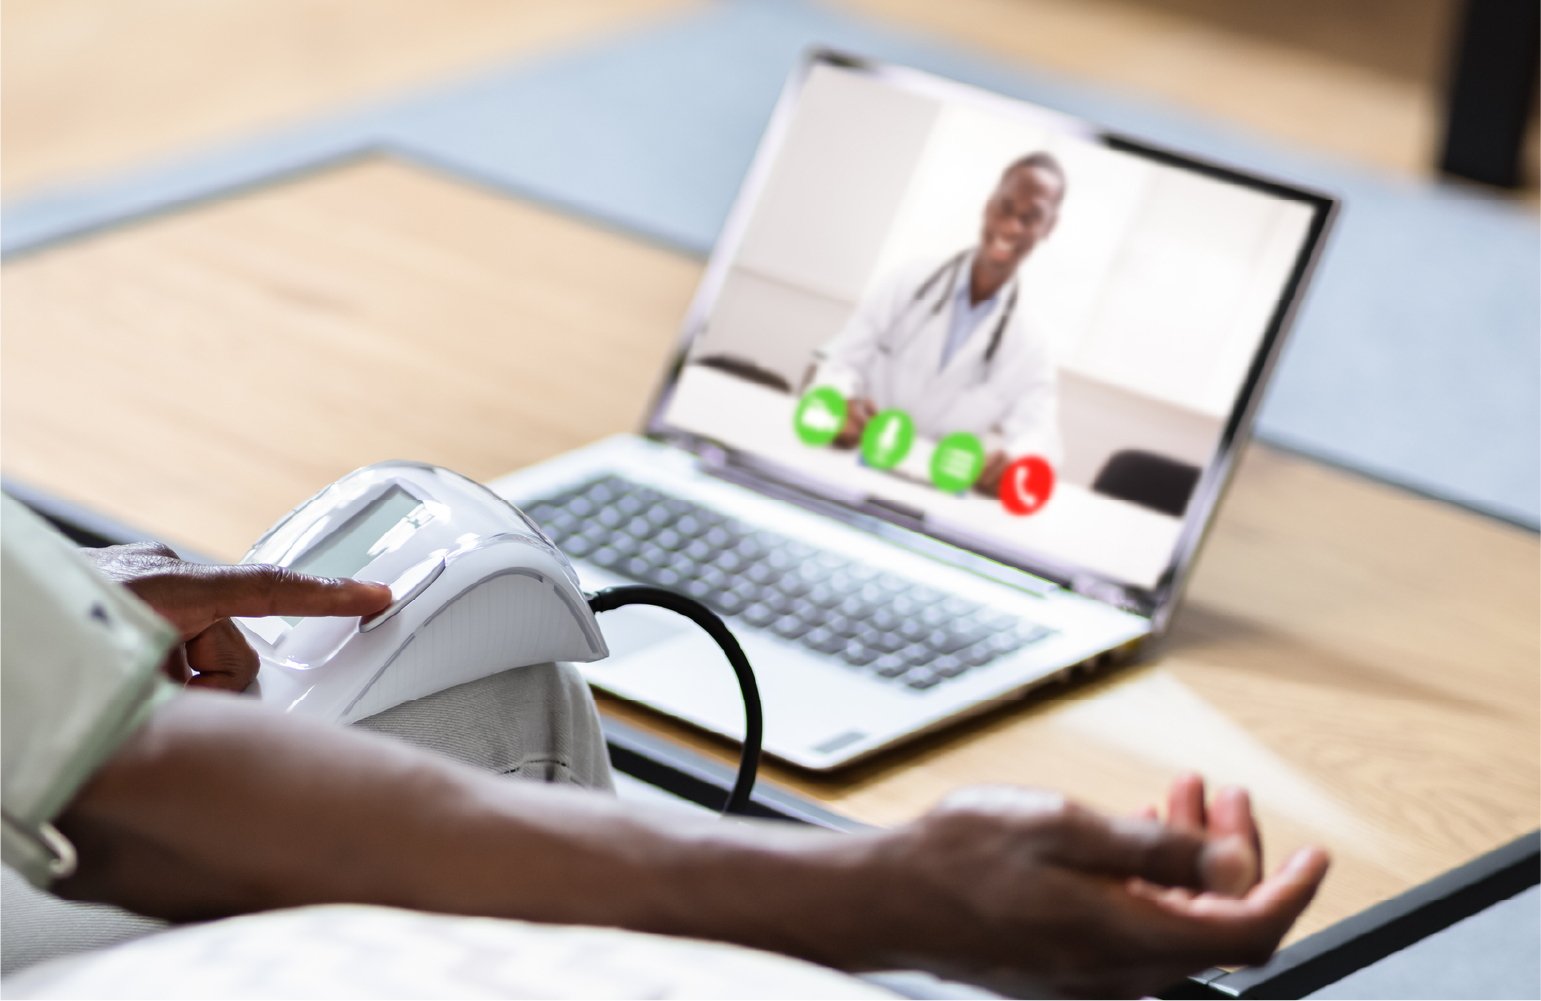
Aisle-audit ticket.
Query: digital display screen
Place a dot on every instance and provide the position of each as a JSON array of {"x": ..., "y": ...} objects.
[
  {"x": 350, "y": 548},
  {"x": 987, "y": 315}
]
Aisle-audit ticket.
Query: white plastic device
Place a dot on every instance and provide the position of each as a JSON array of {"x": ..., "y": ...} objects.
[{"x": 477, "y": 589}]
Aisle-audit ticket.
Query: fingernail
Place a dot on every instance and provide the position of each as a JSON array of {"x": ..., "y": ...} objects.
[{"x": 1228, "y": 866}]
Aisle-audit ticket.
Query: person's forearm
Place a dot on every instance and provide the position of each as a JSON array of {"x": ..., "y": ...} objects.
[{"x": 220, "y": 806}]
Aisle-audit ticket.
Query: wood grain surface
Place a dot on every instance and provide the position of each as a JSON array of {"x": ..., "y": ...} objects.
[
  {"x": 1363, "y": 659},
  {"x": 94, "y": 86}
]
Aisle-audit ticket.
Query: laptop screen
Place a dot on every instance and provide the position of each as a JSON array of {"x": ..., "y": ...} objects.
[{"x": 991, "y": 323}]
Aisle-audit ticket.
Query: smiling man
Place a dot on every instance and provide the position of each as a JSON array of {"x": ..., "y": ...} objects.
[{"x": 951, "y": 345}]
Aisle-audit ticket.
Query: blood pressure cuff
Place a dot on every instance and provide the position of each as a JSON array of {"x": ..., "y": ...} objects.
[{"x": 79, "y": 673}]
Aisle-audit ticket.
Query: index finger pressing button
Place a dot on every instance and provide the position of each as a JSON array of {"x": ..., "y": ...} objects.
[{"x": 413, "y": 582}]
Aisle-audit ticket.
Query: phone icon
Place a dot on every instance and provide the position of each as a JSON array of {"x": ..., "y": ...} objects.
[{"x": 1026, "y": 485}]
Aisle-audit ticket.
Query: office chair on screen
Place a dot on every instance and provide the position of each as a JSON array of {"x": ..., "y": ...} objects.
[{"x": 1149, "y": 480}]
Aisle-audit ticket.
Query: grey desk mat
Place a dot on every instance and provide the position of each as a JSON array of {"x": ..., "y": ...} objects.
[{"x": 1495, "y": 953}]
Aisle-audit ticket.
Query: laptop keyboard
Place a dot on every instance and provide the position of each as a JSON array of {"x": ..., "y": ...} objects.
[{"x": 897, "y": 630}]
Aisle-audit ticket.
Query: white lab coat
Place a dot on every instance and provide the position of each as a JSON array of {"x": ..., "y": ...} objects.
[{"x": 891, "y": 348}]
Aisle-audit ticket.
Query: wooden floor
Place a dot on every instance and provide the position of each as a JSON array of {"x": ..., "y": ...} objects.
[{"x": 1363, "y": 659}]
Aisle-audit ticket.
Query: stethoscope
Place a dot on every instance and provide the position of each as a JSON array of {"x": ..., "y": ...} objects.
[{"x": 951, "y": 269}]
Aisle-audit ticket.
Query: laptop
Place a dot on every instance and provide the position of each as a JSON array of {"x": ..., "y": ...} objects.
[{"x": 951, "y": 412}]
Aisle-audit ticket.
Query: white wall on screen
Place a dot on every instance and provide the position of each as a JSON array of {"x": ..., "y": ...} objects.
[
  {"x": 845, "y": 163},
  {"x": 771, "y": 323},
  {"x": 1185, "y": 304}
]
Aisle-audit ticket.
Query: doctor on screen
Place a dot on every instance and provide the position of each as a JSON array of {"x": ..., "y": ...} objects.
[{"x": 950, "y": 342}]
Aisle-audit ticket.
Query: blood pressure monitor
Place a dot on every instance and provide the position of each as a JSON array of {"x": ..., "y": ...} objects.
[{"x": 476, "y": 588}]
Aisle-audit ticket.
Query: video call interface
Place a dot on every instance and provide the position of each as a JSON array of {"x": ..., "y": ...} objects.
[{"x": 974, "y": 310}]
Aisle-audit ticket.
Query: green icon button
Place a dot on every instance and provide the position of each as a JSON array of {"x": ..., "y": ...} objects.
[
  {"x": 887, "y": 438},
  {"x": 820, "y": 416},
  {"x": 957, "y": 462}
]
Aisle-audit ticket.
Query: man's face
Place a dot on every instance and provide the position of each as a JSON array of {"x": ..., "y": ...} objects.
[{"x": 1021, "y": 213}]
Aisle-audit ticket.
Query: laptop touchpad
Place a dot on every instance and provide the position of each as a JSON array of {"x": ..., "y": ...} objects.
[{"x": 632, "y": 629}]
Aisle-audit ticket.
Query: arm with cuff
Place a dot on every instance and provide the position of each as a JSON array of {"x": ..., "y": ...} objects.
[{"x": 81, "y": 673}]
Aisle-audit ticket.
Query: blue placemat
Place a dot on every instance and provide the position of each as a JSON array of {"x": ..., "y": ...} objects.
[{"x": 1417, "y": 358}]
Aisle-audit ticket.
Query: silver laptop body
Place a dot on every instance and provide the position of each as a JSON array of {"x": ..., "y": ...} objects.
[{"x": 877, "y": 596}]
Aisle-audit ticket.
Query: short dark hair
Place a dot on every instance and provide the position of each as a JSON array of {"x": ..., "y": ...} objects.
[{"x": 1041, "y": 160}]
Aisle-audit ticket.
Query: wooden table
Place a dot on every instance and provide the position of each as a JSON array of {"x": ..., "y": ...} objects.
[{"x": 1364, "y": 659}]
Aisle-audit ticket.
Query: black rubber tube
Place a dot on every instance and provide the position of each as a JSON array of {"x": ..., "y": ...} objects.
[{"x": 754, "y": 723}]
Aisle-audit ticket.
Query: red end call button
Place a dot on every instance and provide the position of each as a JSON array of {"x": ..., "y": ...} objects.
[{"x": 1026, "y": 485}]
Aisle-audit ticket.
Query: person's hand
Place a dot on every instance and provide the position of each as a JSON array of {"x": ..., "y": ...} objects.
[
  {"x": 1228, "y": 817},
  {"x": 857, "y": 413},
  {"x": 199, "y": 599},
  {"x": 1032, "y": 895},
  {"x": 989, "y": 482}
]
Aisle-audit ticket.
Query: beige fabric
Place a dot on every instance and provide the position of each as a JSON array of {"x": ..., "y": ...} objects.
[
  {"x": 537, "y": 722},
  {"x": 36, "y": 926}
]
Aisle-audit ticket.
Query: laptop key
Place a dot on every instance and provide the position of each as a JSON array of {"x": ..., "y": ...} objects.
[
  {"x": 934, "y": 617},
  {"x": 889, "y": 666},
  {"x": 762, "y": 573},
  {"x": 922, "y": 680},
  {"x": 824, "y": 641},
  {"x": 789, "y": 627},
  {"x": 841, "y": 626},
  {"x": 824, "y": 596},
  {"x": 777, "y": 602},
  {"x": 664, "y": 576},
  {"x": 977, "y": 655},
  {"x": 854, "y": 606},
  {"x": 578, "y": 546},
  {"x": 948, "y": 667},
  {"x": 857, "y": 653},
  {"x": 728, "y": 603},
  {"x": 759, "y": 616},
  {"x": 780, "y": 561}
]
